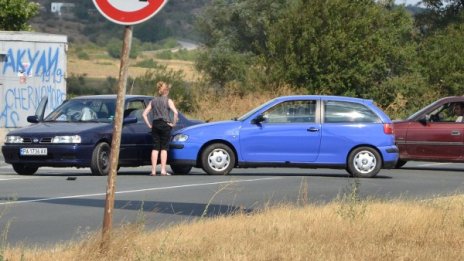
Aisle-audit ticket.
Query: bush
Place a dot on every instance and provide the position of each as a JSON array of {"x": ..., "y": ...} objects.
[
  {"x": 83, "y": 55},
  {"x": 148, "y": 63},
  {"x": 180, "y": 91},
  {"x": 82, "y": 85},
  {"x": 165, "y": 55},
  {"x": 114, "y": 47}
]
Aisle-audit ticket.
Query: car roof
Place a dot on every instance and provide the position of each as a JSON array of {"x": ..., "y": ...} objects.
[
  {"x": 109, "y": 96},
  {"x": 324, "y": 97}
]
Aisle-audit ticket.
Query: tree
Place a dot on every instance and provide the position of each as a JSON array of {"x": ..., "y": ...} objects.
[
  {"x": 326, "y": 46},
  {"x": 439, "y": 14},
  {"x": 235, "y": 34},
  {"x": 15, "y": 14},
  {"x": 341, "y": 47},
  {"x": 441, "y": 56}
]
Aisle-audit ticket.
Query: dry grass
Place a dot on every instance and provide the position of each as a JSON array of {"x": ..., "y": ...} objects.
[
  {"x": 103, "y": 67},
  {"x": 399, "y": 230},
  {"x": 214, "y": 105}
]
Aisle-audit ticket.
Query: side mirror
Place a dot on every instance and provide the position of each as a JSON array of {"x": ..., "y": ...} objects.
[
  {"x": 129, "y": 120},
  {"x": 424, "y": 120},
  {"x": 33, "y": 119},
  {"x": 260, "y": 118}
]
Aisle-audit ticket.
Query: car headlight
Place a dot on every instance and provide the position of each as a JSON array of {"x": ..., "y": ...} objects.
[
  {"x": 13, "y": 139},
  {"x": 180, "y": 138},
  {"x": 67, "y": 139}
]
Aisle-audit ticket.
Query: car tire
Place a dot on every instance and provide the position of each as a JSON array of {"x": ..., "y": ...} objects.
[
  {"x": 181, "y": 169},
  {"x": 400, "y": 163},
  {"x": 349, "y": 172},
  {"x": 100, "y": 164},
  {"x": 364, "y": 162},
  {"x": 217, "y": 159},
  {"x": 23, "y": 169}
]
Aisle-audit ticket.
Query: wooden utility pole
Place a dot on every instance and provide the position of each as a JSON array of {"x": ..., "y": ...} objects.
[
  {"x": 116, "y": 141},
  {"x": 126, "y": 13}
]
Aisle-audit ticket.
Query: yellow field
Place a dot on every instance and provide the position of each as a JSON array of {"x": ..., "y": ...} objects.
[
  {"x": 105, "y": 67},
  {"x": 366, "y": 230}
]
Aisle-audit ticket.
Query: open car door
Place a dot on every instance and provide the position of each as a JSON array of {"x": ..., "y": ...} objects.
[{"x": 39, "y": 112}]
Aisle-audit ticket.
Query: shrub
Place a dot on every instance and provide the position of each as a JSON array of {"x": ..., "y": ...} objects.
[{"x": 148, "y": 63}]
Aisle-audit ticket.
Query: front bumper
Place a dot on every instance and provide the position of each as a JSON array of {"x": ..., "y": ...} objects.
[
  {"x": 183, "y": 153},
  {"x": 58, "y": 155}
]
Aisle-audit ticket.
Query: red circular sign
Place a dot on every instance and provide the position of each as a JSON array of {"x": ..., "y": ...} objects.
[{"x": 129, "y": 12}]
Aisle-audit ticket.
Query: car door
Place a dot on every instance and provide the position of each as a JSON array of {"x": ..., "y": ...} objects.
[
  {"x": 289, "y": 133},
  {"x": 136, "y": 140},
  {"x": 436, "y": 136},
  {"x": 40, "y": 111}
]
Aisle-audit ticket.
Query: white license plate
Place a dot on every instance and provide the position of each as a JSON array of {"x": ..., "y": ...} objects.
[{"x": 33, "y": 151}]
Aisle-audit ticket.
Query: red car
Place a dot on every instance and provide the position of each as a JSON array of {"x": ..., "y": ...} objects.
[{"x": 434, "y": 133}]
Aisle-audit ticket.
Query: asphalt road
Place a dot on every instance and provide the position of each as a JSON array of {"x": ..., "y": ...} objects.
[{"x": 48, "y": 207}]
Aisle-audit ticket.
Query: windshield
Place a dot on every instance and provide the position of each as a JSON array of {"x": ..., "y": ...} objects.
[
  {"x": 248, "y": 114},
  {"x": 422, "y": 111},
  {"x": 83, "y": 110}
]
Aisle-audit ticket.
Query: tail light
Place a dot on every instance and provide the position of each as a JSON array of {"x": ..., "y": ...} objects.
[{"x": 388, "y": 128}]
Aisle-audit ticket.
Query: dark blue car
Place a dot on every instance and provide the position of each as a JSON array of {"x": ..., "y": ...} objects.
[
  {"x": 292, "y": 131},
  {"x": 79, "y": 133}
]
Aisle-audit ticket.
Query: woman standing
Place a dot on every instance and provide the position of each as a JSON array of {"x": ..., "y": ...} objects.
[{"x": 161, "y": 125}]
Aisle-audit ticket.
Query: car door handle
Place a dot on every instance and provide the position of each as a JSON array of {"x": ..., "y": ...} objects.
[
  {"x": 455, "y": 133},
  {"x": 312, "y": 129}
]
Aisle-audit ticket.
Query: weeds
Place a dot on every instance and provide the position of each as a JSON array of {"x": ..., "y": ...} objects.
[
  {"x": 303, "y": 193},
  {"x": 222, "y": 188},
  {"x": 351, "y": 206},
  {"x": 4, "y": 236},
  {"x": 395, "y": 230}
]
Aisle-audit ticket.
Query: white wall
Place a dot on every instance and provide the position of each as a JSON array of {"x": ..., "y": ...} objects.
[{"x": 35, "y": 66}]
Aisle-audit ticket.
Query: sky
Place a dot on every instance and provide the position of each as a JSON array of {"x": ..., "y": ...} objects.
[{"x": 407, "y": 2}]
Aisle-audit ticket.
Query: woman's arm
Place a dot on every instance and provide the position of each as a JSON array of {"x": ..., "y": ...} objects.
[
  {"x": 174, "y": 110},
  {"x": 145, "y": 115}
]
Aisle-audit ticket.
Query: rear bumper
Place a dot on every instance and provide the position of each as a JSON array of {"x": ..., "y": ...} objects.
[{"x": 390, "y": 156}]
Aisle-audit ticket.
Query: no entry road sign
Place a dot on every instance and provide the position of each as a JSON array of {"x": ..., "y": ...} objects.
[{"x": 129, "y": 12}]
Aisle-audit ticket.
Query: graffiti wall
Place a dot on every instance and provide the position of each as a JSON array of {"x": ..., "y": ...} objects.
[{"x": 30, "y": 70}]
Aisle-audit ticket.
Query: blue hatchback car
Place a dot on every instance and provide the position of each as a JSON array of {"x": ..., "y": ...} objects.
[{"x": 307, "y": 131}]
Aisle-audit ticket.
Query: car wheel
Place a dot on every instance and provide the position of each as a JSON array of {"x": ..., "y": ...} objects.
[
  {"x": 218, "y": 159},
  {"x": 100, "y": 164},
  {"x": 400, "y": 163},
  {"x": 349, "y": 172},
  {"x": 23, "y": 169},
  {"x": 181, "y": 169},
  {"x": 364, "y": 162}
]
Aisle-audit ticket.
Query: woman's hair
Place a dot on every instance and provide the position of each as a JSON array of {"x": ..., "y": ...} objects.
[{"x": 162, "y": 87}]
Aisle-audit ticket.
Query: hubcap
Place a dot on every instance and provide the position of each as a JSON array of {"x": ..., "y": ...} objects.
[
  {"x": 364, "y": 161},
  {"x": 104, "y": 159},
  {"x": 218, "y": 159}
]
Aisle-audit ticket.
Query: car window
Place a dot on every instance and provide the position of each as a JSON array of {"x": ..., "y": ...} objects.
[
  {"x": 291, "y": 112},
  {"x": 82, "y": 110},
  {"x": 253, "y": 111},
  {"x": 348, "y": 112},
  {"x": 135, "y": 109},
  {"x": 448, "y": 112}
]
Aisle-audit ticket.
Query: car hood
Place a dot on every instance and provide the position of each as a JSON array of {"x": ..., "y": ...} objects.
[
  {"x": 57, "y": 128},
  {"x": 215, "y": 127}
]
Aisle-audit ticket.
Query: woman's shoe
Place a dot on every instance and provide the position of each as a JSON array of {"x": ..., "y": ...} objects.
[{"x": 165, "y": 174}]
